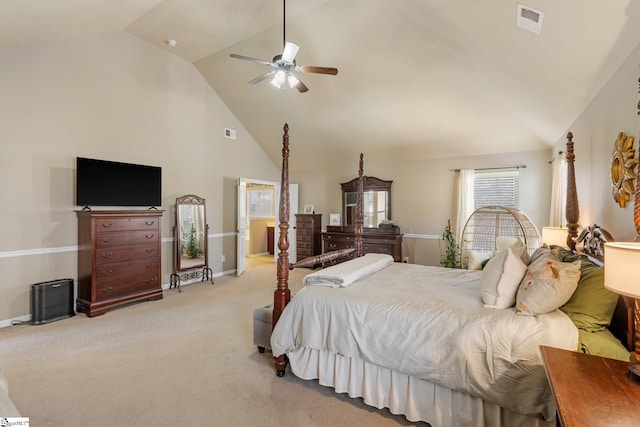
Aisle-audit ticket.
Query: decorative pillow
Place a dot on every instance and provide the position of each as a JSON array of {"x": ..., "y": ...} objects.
[
  {"x": 504, "y": 243},
  {"x": 515, "y": 243},
  {"x": 500, "y": 279},
  {"x": 546, "y": 286},
  {"x": 604, "y": 344},
  {"x": 545, "y": 250},
  {"x": 591, "y": 306},
  {"x": 477, "y": 258}
]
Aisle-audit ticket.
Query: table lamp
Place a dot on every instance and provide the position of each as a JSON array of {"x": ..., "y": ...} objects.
[
  {"x": 555, "y": 236},
  {"x": 621, "y": 261}
]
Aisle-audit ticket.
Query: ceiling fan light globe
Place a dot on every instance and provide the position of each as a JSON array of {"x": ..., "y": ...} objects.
[
  {"x": 278, "y": 79},
  {"x": 293, "y": 81}
]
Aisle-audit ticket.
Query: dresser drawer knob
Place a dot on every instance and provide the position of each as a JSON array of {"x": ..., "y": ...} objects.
[
  {"x": 148, "y": 251},
  {"x": 106, "y": 239},
  {"x": 150, "y": 236},
  {"x": 107, "y": 255},
  {"x": 107, "y": 290},
  {"x": 150, "y": 265},
  {"x": 106, "y": 224},
  {"x": 107, "y": 272},
  {"x": 150, "y": 223},
  {"x": 150, "y": 280}
]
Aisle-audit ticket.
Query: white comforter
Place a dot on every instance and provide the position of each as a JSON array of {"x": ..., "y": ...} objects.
[{"x": 429, "y": 322}]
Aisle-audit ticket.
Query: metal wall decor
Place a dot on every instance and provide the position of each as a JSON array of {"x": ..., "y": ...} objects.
[
  {"x": 636, "y": 207},
  {"x": 623, "y": 165}
]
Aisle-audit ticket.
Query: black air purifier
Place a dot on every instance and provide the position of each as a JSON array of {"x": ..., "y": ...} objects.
[{"x": 51, "y": 301}]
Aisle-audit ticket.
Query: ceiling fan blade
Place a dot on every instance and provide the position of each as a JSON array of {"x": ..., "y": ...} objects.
[
  {"x": 318, "y": 70},
  {"x": 301, "y": 87},
  {"x": 248, "y": 58},
  {"x": 290, "y": 51},
  {"x": 262, "y": 77}
]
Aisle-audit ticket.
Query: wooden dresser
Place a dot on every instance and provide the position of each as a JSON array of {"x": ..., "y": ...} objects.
[
  {"x": 308, "y": 238},
  {"x": 118, "y": 259},
  {"x": 376, "y": 240}
]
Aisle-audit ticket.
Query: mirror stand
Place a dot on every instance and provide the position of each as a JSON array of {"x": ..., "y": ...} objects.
[{"x": 191, "y": 237}]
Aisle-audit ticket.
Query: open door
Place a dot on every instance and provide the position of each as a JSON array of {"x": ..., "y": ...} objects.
[
  {"x": 242, "y": 225},
  {"x": 242, "y": 220},
  {"x": 293, "y": 210}
]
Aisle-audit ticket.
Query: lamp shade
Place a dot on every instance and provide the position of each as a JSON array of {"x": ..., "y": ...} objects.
[
  {"x": 555, "y": 236},
  {"x": 621, "y": 260}
]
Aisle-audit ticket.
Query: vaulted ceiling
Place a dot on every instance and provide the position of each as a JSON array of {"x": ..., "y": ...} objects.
[{"x": 417, "y": 79}]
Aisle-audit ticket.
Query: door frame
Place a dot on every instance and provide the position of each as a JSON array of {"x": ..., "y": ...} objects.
[{"x": 241, "y": 232}]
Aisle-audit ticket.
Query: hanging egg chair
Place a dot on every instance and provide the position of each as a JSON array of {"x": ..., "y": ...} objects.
[{"x": 488, "y": 223}]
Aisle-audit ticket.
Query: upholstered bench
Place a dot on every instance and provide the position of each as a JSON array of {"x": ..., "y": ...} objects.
[{"x": 262, "y": 325}]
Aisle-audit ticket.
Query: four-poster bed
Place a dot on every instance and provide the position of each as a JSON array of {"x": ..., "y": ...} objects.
[{"x": 444, "y": 382}]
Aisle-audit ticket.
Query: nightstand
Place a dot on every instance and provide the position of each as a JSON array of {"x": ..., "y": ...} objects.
[{"x": 591, "y": 390}]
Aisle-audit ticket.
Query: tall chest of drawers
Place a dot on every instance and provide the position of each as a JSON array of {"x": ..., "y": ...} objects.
[
  {"x": 118, "y": 259},
  {"x": 308, "y": 239}
]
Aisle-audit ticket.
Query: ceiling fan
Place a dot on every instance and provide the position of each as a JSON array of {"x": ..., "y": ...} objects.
[{"x": 284, "y": 65}]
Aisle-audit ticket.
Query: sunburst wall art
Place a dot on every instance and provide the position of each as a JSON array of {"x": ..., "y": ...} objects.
[{"x": 623, "y": 165}]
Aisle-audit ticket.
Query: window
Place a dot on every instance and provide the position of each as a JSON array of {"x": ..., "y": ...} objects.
[
  {"x": 496, "y": 188},
  {"x": 260, "y": 203}
]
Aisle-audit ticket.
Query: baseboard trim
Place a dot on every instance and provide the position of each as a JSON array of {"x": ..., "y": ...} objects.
[
  {"x": 18, "y": 321},
  {"x": 26, "y": 319}
]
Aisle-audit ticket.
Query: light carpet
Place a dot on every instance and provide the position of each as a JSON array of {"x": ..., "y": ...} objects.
[{"x": 187, "y": 359}]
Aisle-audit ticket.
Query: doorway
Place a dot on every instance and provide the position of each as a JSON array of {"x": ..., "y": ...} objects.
[{"x": 258, "y": 231}]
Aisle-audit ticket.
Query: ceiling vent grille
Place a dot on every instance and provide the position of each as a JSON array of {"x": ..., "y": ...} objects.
[{"x": 529, "y": 19}]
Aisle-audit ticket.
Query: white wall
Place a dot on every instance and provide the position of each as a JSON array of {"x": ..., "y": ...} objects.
[
  {"x": 113, "y": 97},
  {"x": 424, "y": 194},
  {"x": 612, "y": 111}
]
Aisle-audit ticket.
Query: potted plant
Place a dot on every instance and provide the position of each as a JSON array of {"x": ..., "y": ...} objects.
[
  {"x": 192, "y": 244},
  {"x": 451, "y": 255}
]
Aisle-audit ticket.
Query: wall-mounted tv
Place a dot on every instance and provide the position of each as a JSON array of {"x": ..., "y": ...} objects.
[{"x": 108, "y": 183}]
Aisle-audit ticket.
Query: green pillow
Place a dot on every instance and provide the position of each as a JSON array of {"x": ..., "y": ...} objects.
[
  {"x": 591, "y": 306},
  {"x": 604, "y": 344}
]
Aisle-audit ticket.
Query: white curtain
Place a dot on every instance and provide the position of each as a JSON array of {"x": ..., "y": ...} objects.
[
  {"x": 465, "y": 200},
  {"x": 557, "y": 217}
]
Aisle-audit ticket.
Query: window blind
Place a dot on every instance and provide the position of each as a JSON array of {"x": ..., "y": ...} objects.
[{"x": 499, "y": 188}]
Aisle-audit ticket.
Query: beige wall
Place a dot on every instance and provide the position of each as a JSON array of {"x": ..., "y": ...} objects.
[
  {"x": 424, "y": 194},
  {"x": 613, "y": 110},
  {"x": 112, "y": 97}
]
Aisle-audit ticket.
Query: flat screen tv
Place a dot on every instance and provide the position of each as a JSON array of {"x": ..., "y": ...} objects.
[{"x": 108, "y": 183}]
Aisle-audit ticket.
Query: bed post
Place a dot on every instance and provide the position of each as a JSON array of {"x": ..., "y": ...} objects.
[
  {"x": 572, "y": 209},
  {"x": 359, "y": 207},
  {"x": 282, "y": 294}
]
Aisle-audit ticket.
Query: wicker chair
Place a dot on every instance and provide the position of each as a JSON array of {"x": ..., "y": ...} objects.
[{"x": 490, "y": 222}]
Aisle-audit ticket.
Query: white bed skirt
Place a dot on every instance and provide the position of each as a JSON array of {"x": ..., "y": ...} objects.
[{"x": 416, "y": 399}]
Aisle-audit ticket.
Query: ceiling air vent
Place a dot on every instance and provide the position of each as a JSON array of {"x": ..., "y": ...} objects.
[{"x": 529, "y": 19}]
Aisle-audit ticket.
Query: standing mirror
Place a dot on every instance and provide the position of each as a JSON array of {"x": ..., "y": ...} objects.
[{"x": 191, "y": 238}]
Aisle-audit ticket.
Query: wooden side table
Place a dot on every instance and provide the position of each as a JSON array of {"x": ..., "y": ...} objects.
[{"x": 591, "y": 390}]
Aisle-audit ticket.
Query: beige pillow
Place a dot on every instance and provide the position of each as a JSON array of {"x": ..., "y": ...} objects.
[
  {"x": 547, "y": 285},
  {"x": 544, "y": 250},
  {"x": 515, "y": 243},
  {"x": 477, "y": 258},
  {"x": 504, "y": 243},
  {"x": 500, "y": 279}
]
